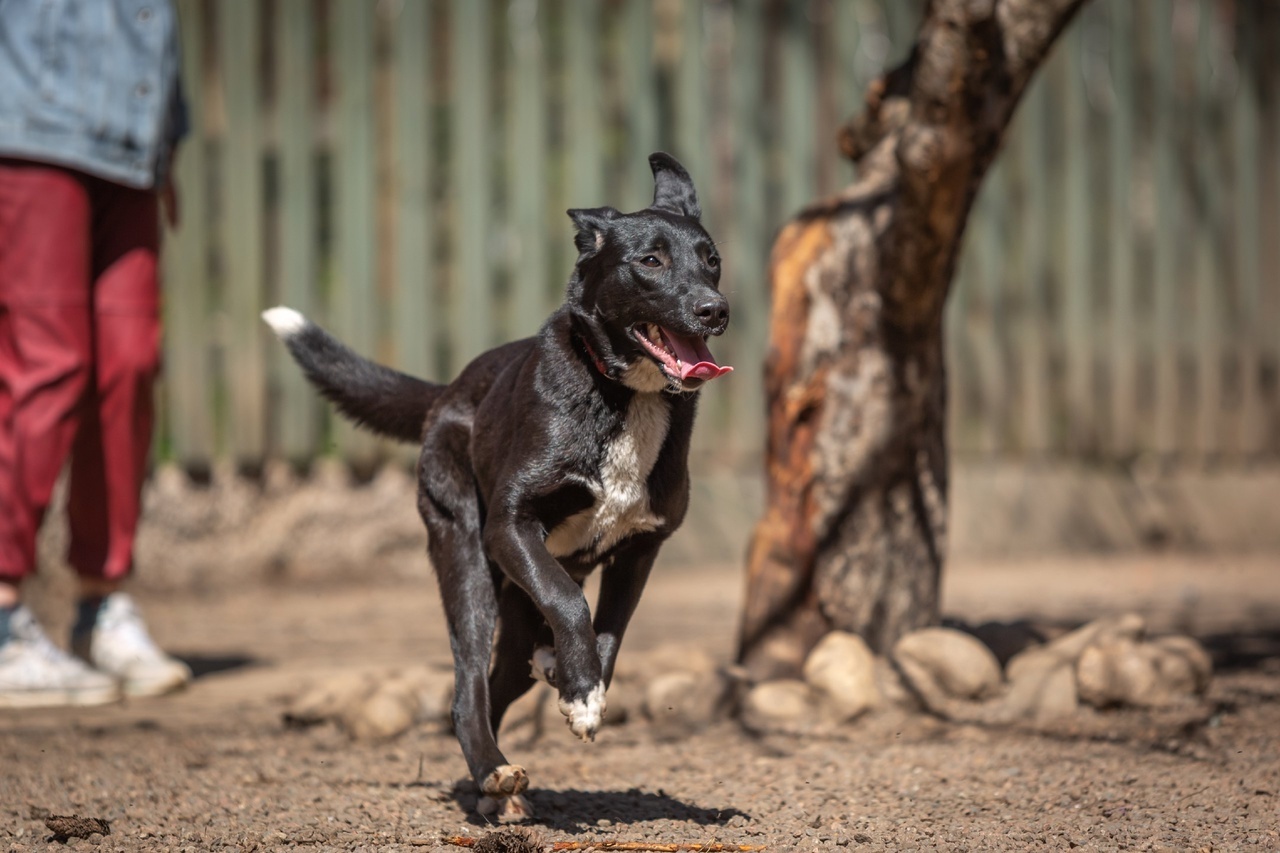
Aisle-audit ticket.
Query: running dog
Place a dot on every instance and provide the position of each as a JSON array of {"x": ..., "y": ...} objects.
[{"x": 548, "y": 457}]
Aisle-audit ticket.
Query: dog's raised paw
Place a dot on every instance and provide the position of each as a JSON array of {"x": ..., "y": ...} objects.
[
  {"x": 586, "y": 716},
  {"x": 512, "y": 809},
  {"x": 543, "y": 665},
  {"x": 505, "y": 780}
]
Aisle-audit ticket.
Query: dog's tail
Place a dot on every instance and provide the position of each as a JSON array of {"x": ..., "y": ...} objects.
[{"x": 386, "y": 401}]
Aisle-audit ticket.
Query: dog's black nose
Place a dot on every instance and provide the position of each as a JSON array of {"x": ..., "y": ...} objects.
[{"x": 713, "y": 313}]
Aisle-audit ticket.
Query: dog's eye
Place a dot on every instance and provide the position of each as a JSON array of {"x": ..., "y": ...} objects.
[
  {"x": 651, "y": 261},
  {"x": 713, "y": 261}
]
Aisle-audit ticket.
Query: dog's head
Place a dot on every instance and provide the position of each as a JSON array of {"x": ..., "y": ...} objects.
[{"x": 645, "y": 290}]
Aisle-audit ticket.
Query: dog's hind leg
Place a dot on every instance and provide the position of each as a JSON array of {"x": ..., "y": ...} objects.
[
  {"x": 468, "y": 591},
  {"x": 472, "y": 609},
  {"x": 520, "y": 630}
]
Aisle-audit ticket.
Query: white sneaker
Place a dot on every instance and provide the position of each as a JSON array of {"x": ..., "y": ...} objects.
[
  {"x": 34, "y": 673},
  {"x": 120, "y": 646}
]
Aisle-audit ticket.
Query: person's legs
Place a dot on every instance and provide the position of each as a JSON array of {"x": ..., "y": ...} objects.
[
  {"x": 45, "y": 345},
  {"x": 45, "y": 357},
  {"x": 109, "y": 459}
]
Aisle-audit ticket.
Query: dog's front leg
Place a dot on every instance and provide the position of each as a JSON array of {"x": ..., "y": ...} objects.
[
  {"x": 621, "y": 584},
  {"x": 517, "y": 546}
]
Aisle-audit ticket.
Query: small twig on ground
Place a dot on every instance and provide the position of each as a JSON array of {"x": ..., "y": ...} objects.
[{"x": 642, "y": 846}]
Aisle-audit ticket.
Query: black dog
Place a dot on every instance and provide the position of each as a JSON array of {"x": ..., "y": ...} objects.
[{"x": 548, "y": 457}]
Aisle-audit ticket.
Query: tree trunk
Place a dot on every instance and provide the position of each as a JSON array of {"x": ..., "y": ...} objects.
[{"x": 854, "y": 533}]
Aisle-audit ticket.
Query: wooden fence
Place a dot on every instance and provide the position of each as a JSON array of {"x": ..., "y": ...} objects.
[{"x": 399, "y": 170}]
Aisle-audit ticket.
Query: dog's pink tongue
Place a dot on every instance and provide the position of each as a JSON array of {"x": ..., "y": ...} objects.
[{"x": 696, "y": 361}]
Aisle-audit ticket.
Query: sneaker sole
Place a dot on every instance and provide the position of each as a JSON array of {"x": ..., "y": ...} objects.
[
  {"x": 59, "y": 698},
  {"x": 139, "y": 689}
]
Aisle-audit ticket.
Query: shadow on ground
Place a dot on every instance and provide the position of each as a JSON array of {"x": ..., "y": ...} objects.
[
  {"x": 574, "y": 811},
  {"x": 1233, "y": 652},
  {"x": 202, "y": 665}
]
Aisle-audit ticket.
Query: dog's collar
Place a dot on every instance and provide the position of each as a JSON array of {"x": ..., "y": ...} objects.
[{"x": 595, "y": 359}]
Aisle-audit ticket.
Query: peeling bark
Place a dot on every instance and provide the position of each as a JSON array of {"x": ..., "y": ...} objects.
[{"x": 854, "y": 532}]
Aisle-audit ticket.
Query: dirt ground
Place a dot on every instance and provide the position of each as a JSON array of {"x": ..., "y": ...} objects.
[{"x": 215, "y": 768}]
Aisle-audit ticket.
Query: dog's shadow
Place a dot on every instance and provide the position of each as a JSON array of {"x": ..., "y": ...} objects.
[{"x": 574, "y": 811}]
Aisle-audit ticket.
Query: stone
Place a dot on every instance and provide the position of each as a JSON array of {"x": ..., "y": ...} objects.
[
  {"x": 1041, "y": 688},
  {"x": 893, "y": 690},
  {"x": 1120, "y": 672},
  {"x": 329, "y": 699},
  {"x": 680, "y": 704},
  {"x": 783, "y": 706},
  {"x": 1126, "y": 626},
  {"x": 1183, "y": 664},
  {"x": 384, "y": 715},
  {"x": 376, "y": 705},
  {"x": 842, "y": 670},
  {"x": 955, "y": 662}
]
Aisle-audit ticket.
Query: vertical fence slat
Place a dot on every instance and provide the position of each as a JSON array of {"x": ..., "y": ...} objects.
[
  {"x": 1121, "y": 239},
  {"x": 692, "y": 134},
  {"x": 798, "y": 109},
  {"x": 584, "y": 104},
  {"x": 1251, "y": 435},
  {"x": 297, "y": 410},
  {"x": 1077, "y": 304},
  {"x": 747, "y": 252},
  {"x": 354, "y": 300},
  {"x": 414, "y": 324},
  {"x": 1165, "y": 246},
  {"x": 187, "y": 371},
  {"x": 470, "y": 303},
  {"x": 994, "y": 275},
  {"x": 527, "y": 160},
  {"x": 693, "y": 150},
  {"x": 1207, "y": 272},
  {"x": 1033, "y": 226},
  {"x": 641, "y": 100},
  {"x": 849, "y": 87},
  {"x": 245, "y": 415}
]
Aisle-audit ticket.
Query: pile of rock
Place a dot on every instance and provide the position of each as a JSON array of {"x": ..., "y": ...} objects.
[
  {"x": 375, "y": 705},
  {"x": 953, "y": 674},
  {"x": 996, "y": 674}
]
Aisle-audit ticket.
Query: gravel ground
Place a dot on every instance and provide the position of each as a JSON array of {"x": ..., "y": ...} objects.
[{"x": 215, "y": 768}]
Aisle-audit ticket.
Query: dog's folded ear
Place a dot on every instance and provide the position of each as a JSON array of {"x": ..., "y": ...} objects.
[
  {"x": 592, "y": 222},
  {"x": 672, "y": 187}
]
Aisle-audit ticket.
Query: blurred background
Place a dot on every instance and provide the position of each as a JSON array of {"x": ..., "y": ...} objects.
[{"x": 399, "y": 170}]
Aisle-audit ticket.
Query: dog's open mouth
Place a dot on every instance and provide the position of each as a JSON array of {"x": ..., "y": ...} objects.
[{"x": 685, "y": 359}]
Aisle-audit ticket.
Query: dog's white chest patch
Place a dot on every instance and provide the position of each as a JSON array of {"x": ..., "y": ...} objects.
[{"x": 621, "y": 505}]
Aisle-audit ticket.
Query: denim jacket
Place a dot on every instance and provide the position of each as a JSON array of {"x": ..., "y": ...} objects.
[{"x": 92, "y": 84}]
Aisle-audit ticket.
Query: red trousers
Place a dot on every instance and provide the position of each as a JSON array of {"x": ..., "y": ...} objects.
[{"x": 79, "y": 353}]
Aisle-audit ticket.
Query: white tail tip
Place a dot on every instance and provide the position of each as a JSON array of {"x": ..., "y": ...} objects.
[{"x": 285, "y": 322}]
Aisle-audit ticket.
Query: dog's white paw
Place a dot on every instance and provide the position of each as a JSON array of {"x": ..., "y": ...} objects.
[
  {"x": 543, "y": 665},
  {"x": 586, "y": 716}
]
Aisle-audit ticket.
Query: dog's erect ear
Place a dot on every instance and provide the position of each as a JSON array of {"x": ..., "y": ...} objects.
[
  {"x": 592, "y": 222},
  {"x": 672, "y": 187}
]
